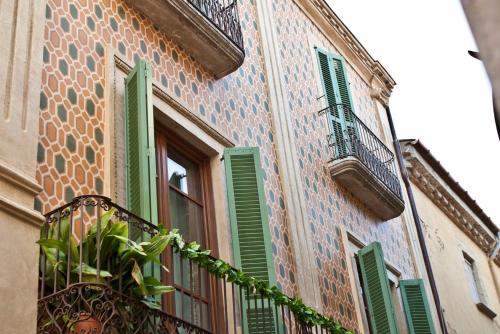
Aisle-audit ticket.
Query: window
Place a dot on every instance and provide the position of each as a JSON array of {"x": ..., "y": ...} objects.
[
  {"x": 390, "y": 305},
  {"x": 471, "y": 278},
  {"x": 396, "y": 300},
  {"x": 337, "y": 94},
  {"x": 184, "y": 202},
  {"x": 477, "y": 292},
  {"x": 373, "y": 286},
  {"x": 353, "y": 249}
]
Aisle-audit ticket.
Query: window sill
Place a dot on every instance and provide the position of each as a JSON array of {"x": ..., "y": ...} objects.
[{"x": 486, "y": 310}]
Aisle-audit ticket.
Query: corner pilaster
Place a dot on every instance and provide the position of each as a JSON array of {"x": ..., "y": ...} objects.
[
  {"x": 307, "y": 273},
  {"x": 22, "y": 28}
]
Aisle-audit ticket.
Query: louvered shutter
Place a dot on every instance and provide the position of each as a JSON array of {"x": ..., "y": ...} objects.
[
  {"x": 376, "y": 290},
  {"x": 250, "y": 230},
  {"x": 416, "y": 306},
  {"x": 332, "y": 98},
  {"x": 345, "y": 95},
  {"x": 139, "y": 125}
]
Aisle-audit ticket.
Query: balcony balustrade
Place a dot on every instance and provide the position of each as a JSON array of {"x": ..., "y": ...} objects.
[
  {"x": 203, "y": 301},
  {"x": 209, "y": 30},
  {"x": 362, "y": 163}
]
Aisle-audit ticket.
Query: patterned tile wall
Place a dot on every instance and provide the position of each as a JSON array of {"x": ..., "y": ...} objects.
[
  {"x": 71, "y": 149},
  {"x": 330, "y": 205}
]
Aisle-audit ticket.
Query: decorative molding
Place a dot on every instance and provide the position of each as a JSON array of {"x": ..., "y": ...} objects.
[
  {"x": 302, "y": 245},
  {"x": 370, "y": 70},
  {"x": 446, "y": 200},
  {"x": 30, "y": 216},
  {"x": 16, "y": 178},
  {"x": 178, "y": 106}
]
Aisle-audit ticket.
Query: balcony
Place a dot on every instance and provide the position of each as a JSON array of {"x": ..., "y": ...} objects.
[
  {"x": 362, "y": 163},
  {"x": 209, "y": 30},
  {"x": 80, "y": 290}
]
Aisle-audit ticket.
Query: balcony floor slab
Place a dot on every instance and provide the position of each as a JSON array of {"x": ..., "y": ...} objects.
[
  {"x": 366, "y": 186},
  {"x": 195, "y": 33}
]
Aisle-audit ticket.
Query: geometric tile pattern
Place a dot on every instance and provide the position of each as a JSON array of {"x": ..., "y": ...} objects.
[
  {"x": 71, "y": 148},
  {"x": 330, "y": 205}
]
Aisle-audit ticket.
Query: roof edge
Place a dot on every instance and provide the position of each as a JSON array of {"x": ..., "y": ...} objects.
[{"x": 451, "y": 182}]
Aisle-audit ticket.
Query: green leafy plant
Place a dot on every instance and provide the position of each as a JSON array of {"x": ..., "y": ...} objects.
[
  {"x": 126, "y": 257},
  {"x": 122, "y": 260}
]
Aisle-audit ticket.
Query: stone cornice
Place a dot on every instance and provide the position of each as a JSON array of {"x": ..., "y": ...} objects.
[
  {"x": 370, "y": 70},
  {"x": 422, "y": 175},
  {"x": 28, "y": 215},
  {"x": 13, "y": 176}
]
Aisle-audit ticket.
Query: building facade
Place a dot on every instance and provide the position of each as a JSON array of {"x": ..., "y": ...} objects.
[
  {"x": 463, "y": 244},
  {"x": 256, "y": 128}
]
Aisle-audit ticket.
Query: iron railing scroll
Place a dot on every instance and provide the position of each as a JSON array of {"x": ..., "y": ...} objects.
[
  {"x": 224, "y": 15},
  {"x": 348, "y": 136},
  {"x": 208, "y": 303}
]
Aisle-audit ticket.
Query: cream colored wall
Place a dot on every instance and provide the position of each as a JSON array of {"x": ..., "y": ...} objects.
[
  {"x": 21, "y": 26},
  {"x": 18, "y": 275},
  {"x": 446, "y": 243}
]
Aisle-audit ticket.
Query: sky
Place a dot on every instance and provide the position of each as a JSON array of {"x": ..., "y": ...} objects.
[{"x": 442, "y": 95}]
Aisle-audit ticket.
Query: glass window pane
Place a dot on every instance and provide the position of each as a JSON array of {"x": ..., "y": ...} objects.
[
  {"x": 187, "y": 217},
  {"x": 184, "y": 174}
]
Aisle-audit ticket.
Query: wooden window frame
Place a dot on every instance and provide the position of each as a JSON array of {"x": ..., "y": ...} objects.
[{"x": 210, "y": 231}]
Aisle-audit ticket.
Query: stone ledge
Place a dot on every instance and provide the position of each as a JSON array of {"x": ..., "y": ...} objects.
[
  {"x": 201, "y": 38},
  {"x": 28, "y": 215},
  {"x": 363, "y": 184},
  {"x": 18, "y": 179}
]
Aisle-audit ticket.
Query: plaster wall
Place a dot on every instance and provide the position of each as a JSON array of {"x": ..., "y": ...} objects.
[
  {"x": 18, "y": 275},
  {"x": 446, "y": 244},
  {"x": 21, "y": 27}
]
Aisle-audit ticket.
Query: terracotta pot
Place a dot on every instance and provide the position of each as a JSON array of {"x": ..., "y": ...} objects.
[{"x": 87, "y": 325}]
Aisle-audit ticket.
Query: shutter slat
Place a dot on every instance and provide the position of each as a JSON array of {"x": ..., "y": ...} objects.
[
  {"x": 416, "y": 307},
  {"x": 377, "y": 291},
  {"x": 250, "y": 228}
]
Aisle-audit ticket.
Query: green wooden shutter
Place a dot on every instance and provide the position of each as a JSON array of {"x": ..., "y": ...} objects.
[
  {"x": 332, "y": 97},
  {"x": 416, "y": 306},
  {"x": 376, "y": 290},
  {"x": 342, "y": 82},
  {"x": 141, "y": 162},
  {"x": 250, "y": 230}
]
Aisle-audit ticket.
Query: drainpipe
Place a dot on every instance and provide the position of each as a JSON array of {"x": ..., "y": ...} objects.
[{"x": 418, "y": 226}]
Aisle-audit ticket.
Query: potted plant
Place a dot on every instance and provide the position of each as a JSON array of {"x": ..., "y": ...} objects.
[{"x": 112, "y": 260}]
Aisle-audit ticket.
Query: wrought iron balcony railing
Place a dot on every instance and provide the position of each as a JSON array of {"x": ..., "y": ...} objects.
[
  {"x": 224, "y": 15},
  {"x": 203, "y": 302},
  {"x": 350, "y": 137}
]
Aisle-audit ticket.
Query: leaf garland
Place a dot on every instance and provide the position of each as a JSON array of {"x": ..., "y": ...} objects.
[{"x": 222, "y": 269}]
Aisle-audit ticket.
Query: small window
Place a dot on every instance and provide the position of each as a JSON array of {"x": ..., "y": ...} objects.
[
  {"x": 470, "y": 272},
  {"x": 477, "y": 291}
]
